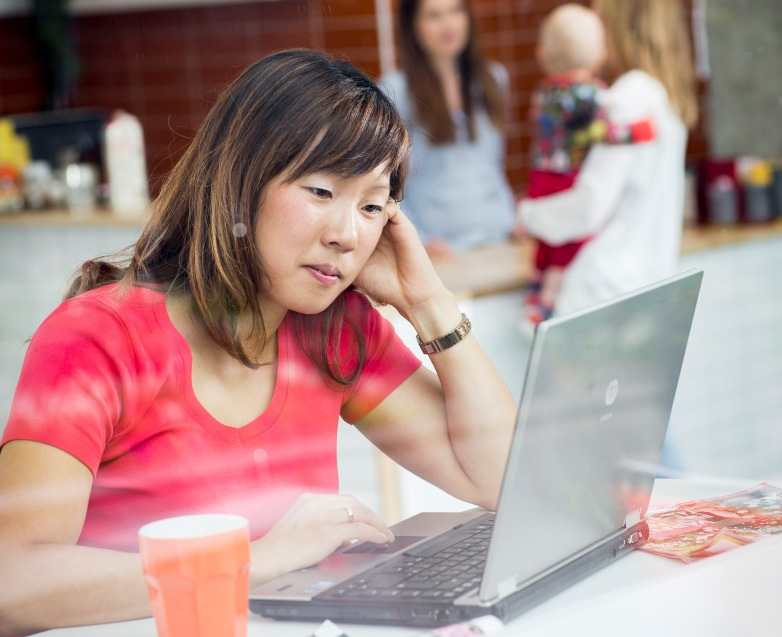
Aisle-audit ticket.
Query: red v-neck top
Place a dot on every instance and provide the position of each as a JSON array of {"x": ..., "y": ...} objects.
[{"x": 107, "y": 378}]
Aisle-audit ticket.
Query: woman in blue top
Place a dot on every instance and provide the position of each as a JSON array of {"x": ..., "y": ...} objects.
[{"x": 454, "y": 103}]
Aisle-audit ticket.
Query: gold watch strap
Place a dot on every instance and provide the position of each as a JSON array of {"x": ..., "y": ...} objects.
[{"x": 448, "y": 340}]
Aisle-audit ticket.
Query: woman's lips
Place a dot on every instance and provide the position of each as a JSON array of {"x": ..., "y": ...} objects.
[{"x": 324, "y": 274}]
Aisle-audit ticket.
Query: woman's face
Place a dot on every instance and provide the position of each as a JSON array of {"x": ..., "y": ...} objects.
[
  {"x": 316, "y": 233},
  {"x": 442, "y": 28}
]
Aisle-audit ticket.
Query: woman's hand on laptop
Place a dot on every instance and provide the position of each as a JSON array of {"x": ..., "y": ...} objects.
[{"x": 312, "y": 529}]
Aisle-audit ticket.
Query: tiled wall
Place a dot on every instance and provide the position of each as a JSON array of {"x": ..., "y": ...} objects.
[
  {"x": 36, "y": 264},
  {"x": 727, "y": 419},
  {"x": 165, "y": 66}
]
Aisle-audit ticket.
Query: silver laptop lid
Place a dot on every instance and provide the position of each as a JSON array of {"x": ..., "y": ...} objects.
[{"x": 593, "y": 415}]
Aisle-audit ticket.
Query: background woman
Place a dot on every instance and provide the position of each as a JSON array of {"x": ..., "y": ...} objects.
[
  {"x": 454, "y": 102},
  {"x": 629, "y": 198}
]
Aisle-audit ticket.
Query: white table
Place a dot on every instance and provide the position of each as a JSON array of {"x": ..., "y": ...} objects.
[{"x": 735, "y": 594}]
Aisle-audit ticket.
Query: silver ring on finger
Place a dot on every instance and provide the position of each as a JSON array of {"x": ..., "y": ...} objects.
[{"x": 349, "y": 511}]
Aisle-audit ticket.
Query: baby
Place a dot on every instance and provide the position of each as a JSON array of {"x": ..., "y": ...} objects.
[{"x": 570, "y": 114}]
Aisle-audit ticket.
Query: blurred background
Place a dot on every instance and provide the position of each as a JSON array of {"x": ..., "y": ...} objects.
[
  {"x": 165, "y": 60},
  {"x": 67, "y": 67}
]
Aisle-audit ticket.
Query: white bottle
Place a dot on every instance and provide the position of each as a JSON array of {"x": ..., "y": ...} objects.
[{"x": 126, "y": 165}]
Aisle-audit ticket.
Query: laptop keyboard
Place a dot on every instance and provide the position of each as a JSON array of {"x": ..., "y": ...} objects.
[{"x": 443, "y": 568}]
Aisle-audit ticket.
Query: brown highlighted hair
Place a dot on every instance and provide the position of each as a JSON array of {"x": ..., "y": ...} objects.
[
  {"x": 479, "y": 88},
  {"x": 652, "y": 35},
  {"x": 295, "y": 112}
]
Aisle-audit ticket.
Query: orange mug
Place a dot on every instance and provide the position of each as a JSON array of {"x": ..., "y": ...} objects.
[{"x": 197, "y": 569}]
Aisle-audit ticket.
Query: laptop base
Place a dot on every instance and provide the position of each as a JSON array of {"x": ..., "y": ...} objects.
[{"x": 431, "y": 614}]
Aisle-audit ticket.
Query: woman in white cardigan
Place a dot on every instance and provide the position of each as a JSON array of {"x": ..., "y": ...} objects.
[{"x": 629, "y": 198}]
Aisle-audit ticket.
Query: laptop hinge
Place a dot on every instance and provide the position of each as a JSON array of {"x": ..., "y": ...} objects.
[
  {"x": 506, "y": 587},
  {"x": 632, "y": 518}
]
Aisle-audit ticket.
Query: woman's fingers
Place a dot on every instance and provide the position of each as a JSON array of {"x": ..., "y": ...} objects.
[
  {"x": 392, "y": 210},
  {"x": 341, "y": 517},
  {"x": 312, "y": 529},
  {"x": 356, "y": 514}
]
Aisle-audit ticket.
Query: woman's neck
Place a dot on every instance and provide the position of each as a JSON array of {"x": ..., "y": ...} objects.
[
  {"x": 447, "y": 70},
  {"x": 182, "y": 315},
  {"x": 233, "y": 393},
  {"x": 444, "y": 65}
]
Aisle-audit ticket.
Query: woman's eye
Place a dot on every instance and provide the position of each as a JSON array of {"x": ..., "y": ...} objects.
[
  {"x": 373, "y": 208},
  {"x": 321, "y": 192}
]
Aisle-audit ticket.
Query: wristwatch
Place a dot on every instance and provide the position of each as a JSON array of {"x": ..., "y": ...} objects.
[{"x": 448, "y": 340}]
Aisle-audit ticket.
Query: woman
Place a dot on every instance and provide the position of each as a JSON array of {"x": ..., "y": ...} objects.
[
  {"x": 210, "y": 371},
  {"x": 629, "y": 198},
  {"x": 454, "y": 103}
]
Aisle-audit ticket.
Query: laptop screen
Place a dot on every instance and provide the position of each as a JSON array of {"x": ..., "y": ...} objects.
[{"x": 593, "y": 416}]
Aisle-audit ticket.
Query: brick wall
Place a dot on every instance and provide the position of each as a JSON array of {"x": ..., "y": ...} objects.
[{"x": 166, "y": 66}]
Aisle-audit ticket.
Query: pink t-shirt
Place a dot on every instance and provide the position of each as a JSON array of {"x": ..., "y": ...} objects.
[{"x": 108, "y": 380}]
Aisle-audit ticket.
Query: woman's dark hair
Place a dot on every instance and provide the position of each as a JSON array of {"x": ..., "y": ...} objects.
[
  {"x": 479, "y": 87},
  {"x": 294, "y": 112}
]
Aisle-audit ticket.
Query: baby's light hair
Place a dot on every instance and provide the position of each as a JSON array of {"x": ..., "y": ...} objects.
[{"x": 571, "y": 38}]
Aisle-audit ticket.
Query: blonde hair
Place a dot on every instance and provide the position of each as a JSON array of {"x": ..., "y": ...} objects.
[
  {"x": 571, "y": 38},
  {"x": 651, "y": 35}
]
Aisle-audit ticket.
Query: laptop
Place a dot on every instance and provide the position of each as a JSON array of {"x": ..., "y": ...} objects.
[{"x": 592, "y": 419}]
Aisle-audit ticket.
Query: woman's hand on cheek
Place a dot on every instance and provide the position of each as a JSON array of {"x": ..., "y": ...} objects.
[{"x": 399, "y": 271}]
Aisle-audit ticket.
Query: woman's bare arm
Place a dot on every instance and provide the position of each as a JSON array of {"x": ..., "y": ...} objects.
[
  {"x": 48, "y": 581},
  {"x": 452, "y": 428}
]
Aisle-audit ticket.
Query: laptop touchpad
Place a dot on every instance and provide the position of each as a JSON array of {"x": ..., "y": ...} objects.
[{"x": 400, "y": 542}]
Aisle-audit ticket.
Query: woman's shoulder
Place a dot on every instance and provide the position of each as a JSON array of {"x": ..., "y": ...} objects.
[
  {"x": 637, "y": 79},
  {"x": 498, "y": 70},
  {"x": 98, "y": 332},
  {"x": 500, "y": 74},
  {"x": 635, "y": 93},
  {"x": 363, "y": 316},
  {"x": 115, "y": 298},
  {"x": 104, "y": 312},
  {"x": 358, "y": 305},
  {"x": 394, "y": 83}
]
